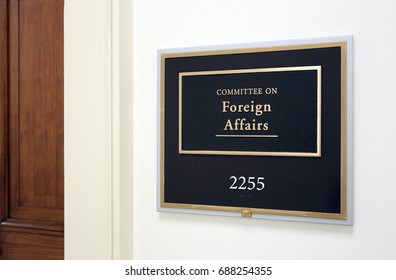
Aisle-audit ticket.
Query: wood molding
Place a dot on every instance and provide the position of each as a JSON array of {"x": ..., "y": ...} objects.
[{"x": 3, "y": 107}]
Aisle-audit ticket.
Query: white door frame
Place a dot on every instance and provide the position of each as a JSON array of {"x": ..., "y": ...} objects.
[{"x": 98, "y": 129}]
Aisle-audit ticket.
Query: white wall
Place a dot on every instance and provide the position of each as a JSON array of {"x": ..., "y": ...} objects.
[{"x": 179, "y": 23}]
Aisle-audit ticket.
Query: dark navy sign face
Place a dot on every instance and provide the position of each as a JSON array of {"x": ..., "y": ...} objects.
[
  {"x": 255, "y": 130},
  {"x": 266, "y": 111}
]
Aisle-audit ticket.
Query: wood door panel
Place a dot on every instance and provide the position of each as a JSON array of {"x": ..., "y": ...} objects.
[
  {"x": 31, "y": 129},
  {"x": 40, "y": 103},
  {"x": 36, "y": 104}
]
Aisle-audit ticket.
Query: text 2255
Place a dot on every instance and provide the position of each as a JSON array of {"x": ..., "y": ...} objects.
[{"x": 247, "y": 183}]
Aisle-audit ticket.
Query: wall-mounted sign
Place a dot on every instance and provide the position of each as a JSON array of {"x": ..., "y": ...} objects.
[{"x": 258, "y": 130}]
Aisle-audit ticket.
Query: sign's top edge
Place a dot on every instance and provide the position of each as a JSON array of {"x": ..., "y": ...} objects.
[{"x": 257, "y": 46}]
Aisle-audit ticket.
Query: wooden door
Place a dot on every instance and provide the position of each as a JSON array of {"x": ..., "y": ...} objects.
[{"x": 31, "y": 129}]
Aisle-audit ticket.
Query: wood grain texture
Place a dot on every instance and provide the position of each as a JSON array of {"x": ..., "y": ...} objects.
[
  {"x": 32, "y": 128},
  {"x": 23, "y": 244},
  {"x": 36, "y": 108},
  {"x": 3, "y": 107}
]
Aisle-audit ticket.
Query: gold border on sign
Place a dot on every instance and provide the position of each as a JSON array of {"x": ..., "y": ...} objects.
[
  {"x": 343, "y": 141},
  {"x": 317, "y": 68}
]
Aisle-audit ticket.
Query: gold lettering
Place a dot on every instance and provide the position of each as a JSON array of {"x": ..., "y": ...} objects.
[
  {"x": 240, "y": 91},
  {"x": 228, "y": 125},
  {"x": 226, "y": 104},
  {"x": 267, "y": 108},
  {"x": 257, "y": 109},
  {"x": 271, "y": 90},
  {"x": 233, "y": 108},
  {"x": 265, "y": 126},
  {"x": 242, "y": 124}
]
